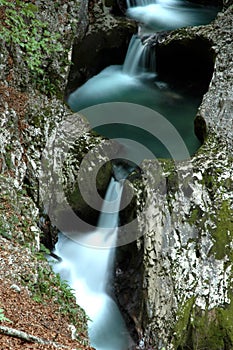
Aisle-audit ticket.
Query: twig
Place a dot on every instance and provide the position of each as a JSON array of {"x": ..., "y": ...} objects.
[{"x": 28, "y": 337}]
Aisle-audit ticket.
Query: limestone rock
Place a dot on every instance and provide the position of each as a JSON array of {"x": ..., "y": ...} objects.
[
  {"x": 104, "y": 43},
  {"x": 180, "y": 268},
  {"x": 33, "y": 112}
]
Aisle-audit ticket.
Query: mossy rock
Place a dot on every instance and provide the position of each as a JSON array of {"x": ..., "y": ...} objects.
[
  {"x": 204, "y": 329},
  {"x": 79, "y": 204},
  {"x": 223, "y": 234},
  {"x": 87, "y": 172}
]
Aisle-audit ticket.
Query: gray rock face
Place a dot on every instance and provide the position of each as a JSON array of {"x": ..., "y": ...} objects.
[
  {"x": 104, "y": 43},
  {"x": 28, "y": 115},
  {"x": 33, "y": 114},
  {"x": 174, "y": 282},
  {"x": 75, "y": 174},
  {"x": 180, "y": 269}
]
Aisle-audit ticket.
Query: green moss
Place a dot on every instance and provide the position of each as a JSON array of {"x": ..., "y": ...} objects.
[
  {"x": 104, "y": 173},
  {"x": 194, "y": 216},
  {"x": 22, "y": 27},
  {"x": 182, "y": 324},
  {"x": 213, "y": 329},
  {"x": 167, "y": 165},
  {"x": 3, "y": 318},
  {"x": 226, "y": 321},
  {"x": 223, "y": 234},
  {"x": 204, "y": 329},
  {"x": 49, "y": 287}
]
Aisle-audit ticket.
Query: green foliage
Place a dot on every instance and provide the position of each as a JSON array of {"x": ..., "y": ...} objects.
[
  {"x": 226, "y": 321},
  {"x": 23, "y": 28},
  {"x": 181, "y": 327},
  {"x": 194, "y": 216},
  {"x": 223, "y": 234},
  {"x": 49, "y": 286},
  {"x": 3, "y": 318},
  {"x": 204, "y": 329}
]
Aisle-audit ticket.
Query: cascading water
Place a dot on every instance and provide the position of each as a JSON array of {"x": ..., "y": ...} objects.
[
  {"x": 87, "y": 263},
  {"x": 114, "y": 82},
  {"x": 131, "y": 3},
  {"x": 135, "y": 81},
  {"x": 169, "y": 14},
  {"x": 139, "y": 58},
  {"x": 87, "y": 266}
]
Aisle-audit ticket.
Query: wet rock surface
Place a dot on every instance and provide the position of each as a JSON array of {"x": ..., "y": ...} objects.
[
  {"x": 105, "y": 43},
  {"x": 31, "y": 120},
  {"x": 32, "y": 111},
  {"x": 185, "y": 224},
  {"x": 173, "y": 283}
]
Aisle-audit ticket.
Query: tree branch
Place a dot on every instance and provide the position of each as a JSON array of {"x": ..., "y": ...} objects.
[{"x": 12, "y": 332}]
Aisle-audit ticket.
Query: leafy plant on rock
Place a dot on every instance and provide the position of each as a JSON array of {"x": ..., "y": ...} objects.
[
  {"x": 3, "y": 318},
  {"x": 22, "y": 27}
]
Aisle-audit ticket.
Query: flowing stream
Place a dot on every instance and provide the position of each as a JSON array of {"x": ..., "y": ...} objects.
[
  {"x": 87, "y": 263},
  {"x": 136, "y": 80},
  {"x": 169, "y": 14},
  {"x": 87, "y": 266}
]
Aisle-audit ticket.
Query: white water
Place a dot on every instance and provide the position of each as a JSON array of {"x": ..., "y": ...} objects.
[
  {"x": 169, "y": 14},
  {"x": 115, "y": 81},
  {"x": 87, "y": 266},
  {"x": 139, "y": 58},
  {"x": 133, "y": 82},
  {"x": 131, "y": 3},
  {"x": 84, "y": 265}
]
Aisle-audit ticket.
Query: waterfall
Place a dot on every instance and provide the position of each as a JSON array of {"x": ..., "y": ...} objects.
[
  {"x": 139, "y": 58},
  {"x": 87, "y": 266},
  {"x": 131, "y": 3},
  {"x": 169, "y": 14},
  {"x": 114, "y": 82}
]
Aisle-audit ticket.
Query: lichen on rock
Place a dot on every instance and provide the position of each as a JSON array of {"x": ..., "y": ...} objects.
[
  {"x": 103, "y": 43},
  {"x": 185, "y": 245},
  {"x": 32, "y": 108}
]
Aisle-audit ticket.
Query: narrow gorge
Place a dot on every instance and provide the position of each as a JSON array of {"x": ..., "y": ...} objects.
[{"x": 64, "y": 122}]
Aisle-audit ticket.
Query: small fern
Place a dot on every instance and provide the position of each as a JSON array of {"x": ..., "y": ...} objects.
[
  {"x": 21, "y": 26},
  {"x": 3, "y": 318}
]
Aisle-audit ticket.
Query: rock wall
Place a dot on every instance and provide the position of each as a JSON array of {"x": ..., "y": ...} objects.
[
  {"x": 174, "y": 283},
  {"x": 104, "y": 43},
  {"x": 33, "y": 113},
  {"x": 32, "y": 106},
  {"x": 27, "y": 114},
  {"x": 34, "y": 66}
]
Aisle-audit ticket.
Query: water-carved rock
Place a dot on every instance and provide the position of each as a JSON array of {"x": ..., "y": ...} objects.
[
  {"x": 105, "y": 42},
  {"x": 183, "y": 260}
]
